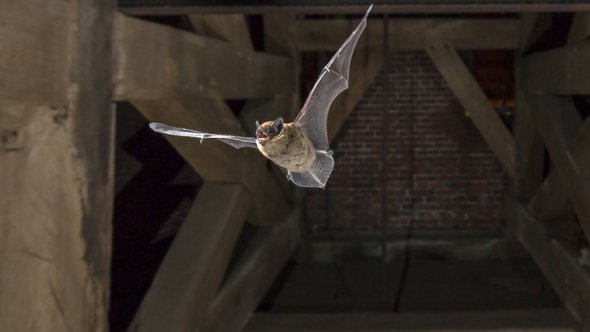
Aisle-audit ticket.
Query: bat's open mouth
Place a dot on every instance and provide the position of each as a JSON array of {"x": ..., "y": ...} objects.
[{"x": 262, "y": 136}]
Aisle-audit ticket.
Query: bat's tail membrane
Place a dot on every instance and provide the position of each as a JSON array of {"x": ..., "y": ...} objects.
[{"x": 319, "y": 173}]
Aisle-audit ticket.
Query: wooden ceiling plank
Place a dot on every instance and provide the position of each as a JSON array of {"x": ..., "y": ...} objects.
[
  {"x": 190, "y": 275},
  {"x": 253, "y": 276},
  {"x": 411, "y": 7},
  {"x": 411, "y": 34},
  {"x": 172, "y": 61},
  {"x": 474, "y": 101}
]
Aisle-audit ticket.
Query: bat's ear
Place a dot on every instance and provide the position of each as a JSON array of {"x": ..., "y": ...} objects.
[
  {"x": 257, "y": 124},
  {"x": 278, "y": 122}
]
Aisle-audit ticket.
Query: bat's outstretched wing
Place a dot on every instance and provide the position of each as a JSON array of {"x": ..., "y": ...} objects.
[
  {"x": 332, "y": 81},
  {"x": 237, "y": 142}
]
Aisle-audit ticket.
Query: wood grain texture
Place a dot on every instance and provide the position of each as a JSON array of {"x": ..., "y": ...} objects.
[
  {"x": 57, "y": 192},
  {"x": 171, "y": 61},
  {"x": 34, "y": 52}
]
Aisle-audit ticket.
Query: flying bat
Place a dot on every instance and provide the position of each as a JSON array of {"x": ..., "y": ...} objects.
[{"x": 300, "y": 148}]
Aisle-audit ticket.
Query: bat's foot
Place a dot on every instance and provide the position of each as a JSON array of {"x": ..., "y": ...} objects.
[{"x": 326, "y": 153}]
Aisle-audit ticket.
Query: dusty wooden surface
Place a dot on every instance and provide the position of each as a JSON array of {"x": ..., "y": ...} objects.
[
  {"x": 171, "y": 61},
  {"x": 34, "y": 52},
  {"x": 57, "y": 180}
]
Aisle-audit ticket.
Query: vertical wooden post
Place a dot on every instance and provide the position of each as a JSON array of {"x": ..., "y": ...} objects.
[{"x": 56, "y": 187}]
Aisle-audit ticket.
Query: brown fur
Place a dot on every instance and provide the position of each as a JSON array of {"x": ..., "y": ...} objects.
[{"x": 290, "y": 149}]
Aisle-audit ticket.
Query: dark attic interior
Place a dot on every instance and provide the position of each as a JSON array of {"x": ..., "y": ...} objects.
[{"x": 459, "y": 198}]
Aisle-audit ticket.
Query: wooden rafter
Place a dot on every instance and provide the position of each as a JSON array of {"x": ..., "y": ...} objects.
[
  {"x": 231, "y": 28},
  {"x": 529, "y": 153},
  {"x": 560, "y": 71},
  {"x": 172, "y": 61},
  {"x": 474, "y": 101},
  {"x": 551, "y": 201},
  {"x": 253, "y": 276},
  {"x": 190, "y": 275},
  {"x": 559, "y": 263},
  {"x": 580, "y": 28},
  {"x": 411, "y": 34},
  {"x": 532, "y": 26},
  {"x": 184, "y": 7},
  {"x": 556, "y": 116}
]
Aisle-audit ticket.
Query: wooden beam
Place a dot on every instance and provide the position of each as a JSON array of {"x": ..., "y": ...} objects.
[
  {"x": 559, "y": 71},
  {"x": 473, "y": 99},
  {"x": 253, "y": 276},
  {"x": 231, "y": 28},
  {"x": 559, "y": 263},
  {"x": 580, "y": 28},
  {"x": 366, "y": 63},
  {"x": 172, "y": 61},
  {"x": 190, "y": 275},
  {"x": 279, "y": 38},
  {"x": 529, "y": 149},
  {"x": 411, "y": 34},
  {"x": 56, "y": 197},
  {"x": 532, "y": 26},
  {"x": 550, "y": 320},
  {"x": 216, "y": 161},
  {"x": 185, "y": 7},
  {"x": 556, "y": 116},
  {"x": 34, "y": 52},
  {"x": 550, "y": 201}
]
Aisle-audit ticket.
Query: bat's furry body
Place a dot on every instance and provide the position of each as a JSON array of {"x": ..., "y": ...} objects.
[
  {"x": 290, "y": 149},
  {"x": 300, "y": 148}
]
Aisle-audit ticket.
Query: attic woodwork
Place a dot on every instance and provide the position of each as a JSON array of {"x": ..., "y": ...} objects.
[
  {"x": 474, "y": 101},
  {"x": 411, "y": 34}
]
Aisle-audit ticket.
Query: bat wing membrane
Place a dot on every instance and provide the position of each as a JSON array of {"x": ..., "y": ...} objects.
[
  {"x": 318, "y": 175},
  {"x": 332, "y": 81},
  {"x": 237, "y": 142}
]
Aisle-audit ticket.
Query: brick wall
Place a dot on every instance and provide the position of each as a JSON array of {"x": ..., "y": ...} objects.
[{"x": 439, "y": 173}]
